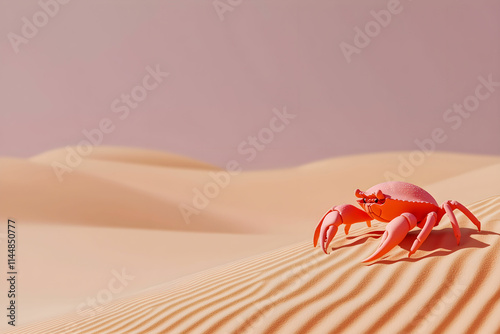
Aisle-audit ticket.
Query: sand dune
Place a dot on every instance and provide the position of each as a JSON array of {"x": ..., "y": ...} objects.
[
  {"x": 120, "y": 208},
  {"x": 444, "y": 288},
  {"x": 86, "y": 199}
]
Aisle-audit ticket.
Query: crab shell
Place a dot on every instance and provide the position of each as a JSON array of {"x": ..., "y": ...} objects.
[{"x": 386, "y": 201}]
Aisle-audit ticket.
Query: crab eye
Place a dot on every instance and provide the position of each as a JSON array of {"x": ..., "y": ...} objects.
[
  {"x": 376, "y": 200},
  {"x": 364, "y": 200}
]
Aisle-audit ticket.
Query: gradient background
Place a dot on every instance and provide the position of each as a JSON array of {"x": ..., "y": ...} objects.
[{"x": 227, "y": 76}]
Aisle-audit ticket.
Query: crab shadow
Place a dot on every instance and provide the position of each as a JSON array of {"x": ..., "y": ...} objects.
[
  {"x": 358, "y": 239},
  {"x": 438, "y": 243}
]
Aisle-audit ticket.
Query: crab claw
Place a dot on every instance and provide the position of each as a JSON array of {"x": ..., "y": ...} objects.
[
  {"x": 340, "y": 214},
  {"x": 326, "y": 229},
  {"x": 395, "y": 232}
]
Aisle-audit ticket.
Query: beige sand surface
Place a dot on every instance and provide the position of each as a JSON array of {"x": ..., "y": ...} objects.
[{"x": 245, "y": 263}]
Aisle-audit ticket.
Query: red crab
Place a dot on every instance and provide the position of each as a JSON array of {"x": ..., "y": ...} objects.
[{"x": 402, "y": 205}]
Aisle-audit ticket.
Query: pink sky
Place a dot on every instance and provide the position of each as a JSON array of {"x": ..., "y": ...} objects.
[{"x": 227, "y": 76}]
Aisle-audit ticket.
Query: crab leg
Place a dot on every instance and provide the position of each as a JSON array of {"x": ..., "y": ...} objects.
[
  {"x": 453, "y": 221},
  {"x": 328, "y": 226},
  {"x": 449, "y": 206},
  {"x": 430, "y": 221},
  {"x": 395, "y": 232}
]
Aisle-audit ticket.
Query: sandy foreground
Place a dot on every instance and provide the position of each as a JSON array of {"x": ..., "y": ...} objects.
[{"x": 108, "y": 249}]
